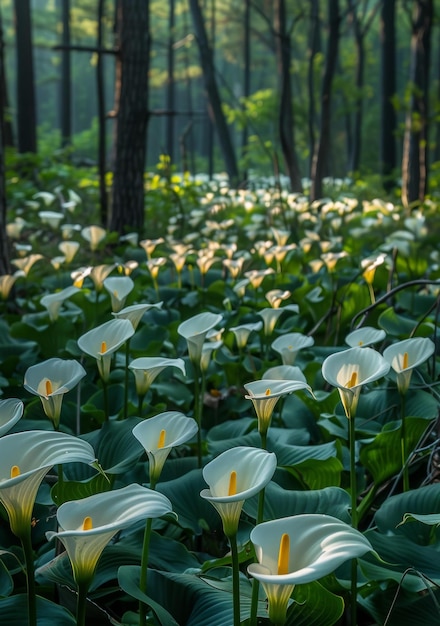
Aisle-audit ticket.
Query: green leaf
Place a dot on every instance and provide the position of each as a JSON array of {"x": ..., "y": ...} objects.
[
  {"x": 315, "y": 466},
  {"x": 13, "y": 611},
  {"x": 314, "y": 606},
  {"x": 401, "y": 326},
  {"x": 6, "y": 583},
  {"x": 403, "y": 610},
  {"x": 76, "y": 490}
]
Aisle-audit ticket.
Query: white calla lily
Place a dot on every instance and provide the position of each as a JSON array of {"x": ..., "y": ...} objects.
[
  {"x": 243, "y": 331},
  {"x": 53, "y": 301},
  {"x": 135, "y": 312},
  {"x": 233, "y": 477},
  {"x": 300, "y": 549},
  {"x": 69, "y": 249},
  {"x": 119, "y": 287},
  {"x": 50, "y": 380},
  {"x": 25, "y": 458},
  {"x": 194, "y": 330},
  {"x": 290, "y": 344},
  {"x": 365, "y": 336},
  {"x": 101, "y": 342},
  {"x": 87, "y": 525},
  {"x": 159, "y": 434},
  {"x": 264, "y": 395},
  {"x": 405, "y": 356},
  {"x": 11, "y": 411},
  {"x": 146, "y": 369},
  {"x": 284, "y": 372},
  {"x": 94, "y": 235},
  {"x": 349, "y": 370}
]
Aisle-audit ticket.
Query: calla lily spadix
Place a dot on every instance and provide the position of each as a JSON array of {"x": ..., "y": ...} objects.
[
  {"x": 101, "y": 342},
  {"x": 405, "y": 356},
  {"x": 349, "y": 370},
  {"x": 234, "y": 476},
  {"x": 146, "y": 369},
  {"x": 365, "y": 336},
  {"x": 289, "y": 344},
  {"x": 194, "y": 330},
  {"x": 159, "y": 434},
  {"x": 11, "y": 411},
  {"x": 50, "y": 380},
  {"x": 264, "y": 395},
  {"x": 135, "y": 312},
  {"x": 53, "y": 301},
  {"x": 119, "y": 287},
  {"x": 87, "y": 525},
  {"x": 25, "y": 458},
  {"x": 300, "y": 549}
]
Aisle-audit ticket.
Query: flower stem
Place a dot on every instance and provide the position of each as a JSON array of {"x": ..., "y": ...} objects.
[
  {"x": 354, "y": 514},
  {"x": 235, "y": 579},
  {"x": 403, "y": 446},
  {"x": 198, "y": 415},
  {"x": 144, "y": 570},
  {"x": 127, "y": 360},
  {"x": 26, "y": 543},
  {"x": 81, "y": 603}
]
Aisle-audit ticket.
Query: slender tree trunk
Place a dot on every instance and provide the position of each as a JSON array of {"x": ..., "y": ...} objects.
[
  {"x": 246, "y": 76},
  {"x": 26, "y": 108},
  {"x": 322, "y": 150},
  {"x": 214, "y": 101},
  {"x": 415, "y": 145},
  {"x": 102, "y": 137},
  {"x": 132, "y": 65},
  {"x": 355, "y": 154},
  {"x": 66, "y": 79},
  {"x": 170, "y": 82},
  {"x": 388, "y": 157},
  {"x": 315, "y": 47},
  {"x": 4, "y": 243},
  {"x": 285, "y": 112}
]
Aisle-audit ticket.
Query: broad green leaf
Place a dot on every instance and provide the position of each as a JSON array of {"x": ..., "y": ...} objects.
[
  {"x": 13, "y": 611},
  {"x": 317, "y": 474},
  {"x": 6, "y": 583},
  {"x": 402, "y": 326},
  {"x": 314, "y": 606},
  {"x": 75, "y": 490},
  {"x": 401, "y": 609}
]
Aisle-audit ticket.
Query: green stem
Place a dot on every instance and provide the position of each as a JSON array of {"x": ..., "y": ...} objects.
[
  {"x": 127, "y": 361},
  {"x": 198, "y": 415},
  {"x": 144, "y": 570},
  {"x": 26, "y": 543},
  {"x": 140, "y": 403},
  {"x": 354, "y": 516},
  {"x": 81, "y": 603},
  {"x": 403, "y": 446},
  {"x": 235, "y": 580}
]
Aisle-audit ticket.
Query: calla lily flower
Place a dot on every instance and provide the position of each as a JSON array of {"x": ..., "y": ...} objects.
[
  {"x": 207, "y": 350},
  {"x": 99, "y": 273},
  {"x": 404, "y": 356},
  {"x": 256, "y": 277},
  {"x": 51, "y": 218},
  {"x": 365, "y": 336},
  {"x": 300, "y": 549},
  {"x": 284, "y": 372},
  {"x": 149, "y": 245},
  {"x": 69, "y": 249},
  {"x": 25, "y": 458},
  {"x": 146, "y": 369},
  {"x": 265, "y": 394},
  {"x": 119, "y": 288},
  {"x": 94, "y": 235},
  {"x": 270, "y": 317},
  {"x": 349, "y": 370},
  {"x": 101, "y": 342},
  {"x": 50, "y": 380},
  {"x": 53, "y": 301},
  {"x": 194, "y": 330},
  {"x": 11, "y": 411},
  {"x": 276, "y": 296},
  {"x": 290, "y": 344},
  {"x": 135, "y": 312},
  {"x": 159, "y": 434},
  {"x": 87, "y": 525},
  {"x": 233, "y": 477},
  {"x": 243, "y": 331},
  {"x": 7, "y": 281},
  {"x": 26, "y": 263}
]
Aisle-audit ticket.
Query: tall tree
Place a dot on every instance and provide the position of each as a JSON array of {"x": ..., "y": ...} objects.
[
  {"x": 388, "y": 157},
  {"x": 285, "y": 113},
  {"x": 415, "y": 144},
  {"x": 322, "y": 148},
  {"x": 170, "y": 93},
  {"x": 26, "y": 107},
  {"x": 66, "y": 79},
  {"x": 132, "y": 65},
  {"x": 314, "y": 49},
  {"x": 4, "y": 244},
  {"x": 213, "y": 94},
  {"x": 102, "y": 118}
]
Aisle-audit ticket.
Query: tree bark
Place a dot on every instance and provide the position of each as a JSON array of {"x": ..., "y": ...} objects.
[
  {"x": 285, "y": 112},
  {"x": 26, "y": 108},
  {"x": 212, "y": 92},
  {"x": 4, "y": 243},
  {"x": 132, "y": 65},
  {"x": 315, "y": 47},
  {"x": 355, "y": 154},
  {"x": 388, "y": 158},
  {"x": 66, "y": 80},
  {"x": 415, "y": 145},
  {"x": 322, "y": 149},
  {"x": 102, "y": 137},
  {"x": 170, "y": 95}
]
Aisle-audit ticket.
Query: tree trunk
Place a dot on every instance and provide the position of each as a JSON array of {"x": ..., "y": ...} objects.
[
  {"x": 170, "y": 83},
  {"x": 4, "y": 244},
  {"x": 415, "y": 144},
  {"x": 26, "y": 110},
  {"x": 132, "y": 65},
  {"x": 315, "y": 47},
  {"x": 322, "y": 149},
  {"x": 212, "y": 92},
  {"x": 355, "y": 155},
  {"x": 246, "y": 77},
  {"x": 388, "y": 158},
  {"x": 66, "y": 81},
  {"x": 102, "y": 137},
  {"x": 285, "y": 113}
]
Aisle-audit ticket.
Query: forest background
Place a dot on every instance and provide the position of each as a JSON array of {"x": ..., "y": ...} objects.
[{"x": 311, "y": 89}]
